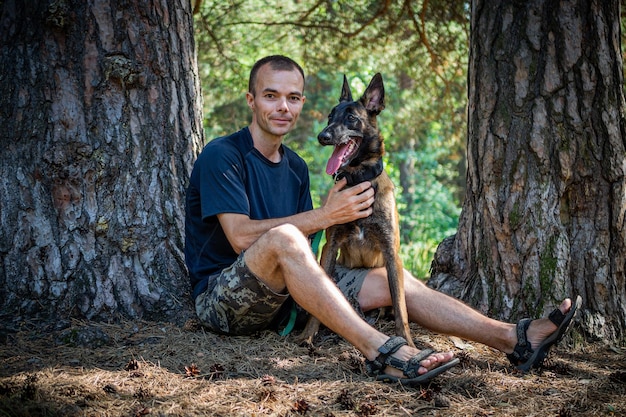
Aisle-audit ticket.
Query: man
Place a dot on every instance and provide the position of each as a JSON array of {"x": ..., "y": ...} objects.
[{"x": 248, "y": 217}]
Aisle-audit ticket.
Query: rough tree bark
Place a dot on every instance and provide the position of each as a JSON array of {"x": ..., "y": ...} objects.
[
  {"x": 544, "y": 211},
  {"x": 101, "y": 120}
]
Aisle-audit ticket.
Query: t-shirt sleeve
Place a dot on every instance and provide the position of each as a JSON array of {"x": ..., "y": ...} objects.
[{"x": 222, "y": 178}]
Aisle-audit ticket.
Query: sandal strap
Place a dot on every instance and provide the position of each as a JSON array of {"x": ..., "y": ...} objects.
[
  {"x": 410, "y": 367},
  {"x": 522, "y": 351},
  {"x": 556, "y": 317},
  {"x": 391, "y": 346}
]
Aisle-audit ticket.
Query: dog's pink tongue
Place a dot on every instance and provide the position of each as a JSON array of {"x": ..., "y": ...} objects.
[{"x": 335, "y": 160}]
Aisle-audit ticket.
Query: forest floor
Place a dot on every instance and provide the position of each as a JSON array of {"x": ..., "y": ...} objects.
[{"x": 159, "y": 369}]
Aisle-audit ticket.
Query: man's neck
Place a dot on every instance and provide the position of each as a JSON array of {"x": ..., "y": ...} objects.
[{"x": 268, "y": 145}]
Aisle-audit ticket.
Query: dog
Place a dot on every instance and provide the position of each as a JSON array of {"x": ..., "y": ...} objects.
[{"x": 373, "y": 241}]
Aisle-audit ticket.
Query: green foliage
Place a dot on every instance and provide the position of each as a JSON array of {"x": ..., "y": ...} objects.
[
  {"x": 420, "y": 48},
  {"x": 429, "y": 211}
]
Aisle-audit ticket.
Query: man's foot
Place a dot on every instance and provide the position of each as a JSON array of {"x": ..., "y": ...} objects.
[
  {"x": 430, "y": 362},
  {"x": 536, "y": 337},
  {"x": 539, "y": 329},
  {"x": 398, "y": 362}
]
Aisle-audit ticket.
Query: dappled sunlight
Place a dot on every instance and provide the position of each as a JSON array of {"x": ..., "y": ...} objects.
[{"x": 150, "y": 368}]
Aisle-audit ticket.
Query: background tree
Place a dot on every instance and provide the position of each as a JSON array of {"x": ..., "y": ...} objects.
[
  {"x": 100, "y": 109},
  {"x": 544, "y": 211}
]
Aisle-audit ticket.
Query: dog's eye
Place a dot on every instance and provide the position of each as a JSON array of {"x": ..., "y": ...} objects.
[{"x": 352, "y": 118}]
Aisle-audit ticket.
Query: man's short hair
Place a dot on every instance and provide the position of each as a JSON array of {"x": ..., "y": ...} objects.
[{"x": 277, "y": 63}]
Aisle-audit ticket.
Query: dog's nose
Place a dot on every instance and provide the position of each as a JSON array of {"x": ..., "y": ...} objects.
[{"x": 324, "y": 137}]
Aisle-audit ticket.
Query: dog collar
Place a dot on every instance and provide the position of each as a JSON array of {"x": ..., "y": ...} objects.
[{"x": 361, "y": 175}]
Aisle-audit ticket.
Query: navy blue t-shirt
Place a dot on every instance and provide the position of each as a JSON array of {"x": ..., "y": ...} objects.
[{"x": 231, "y": 176}]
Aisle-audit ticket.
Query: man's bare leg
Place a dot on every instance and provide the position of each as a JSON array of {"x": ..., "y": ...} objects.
[
  {"x": 282, "y": 258},
  {"x": 441, "y": 313}
]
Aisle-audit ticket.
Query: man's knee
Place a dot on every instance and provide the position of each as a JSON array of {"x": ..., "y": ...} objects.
[{"x": 285, "y": 237}]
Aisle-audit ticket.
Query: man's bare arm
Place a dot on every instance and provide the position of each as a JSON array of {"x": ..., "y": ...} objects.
[{"x": 341, "y": 206}]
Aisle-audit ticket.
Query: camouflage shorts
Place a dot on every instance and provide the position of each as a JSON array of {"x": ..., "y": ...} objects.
[
  {"x": 239, "y": 303},
  {"x": 350, "y": 282}
]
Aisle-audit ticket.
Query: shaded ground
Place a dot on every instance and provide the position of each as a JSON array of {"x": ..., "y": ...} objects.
[{"x": 158, "y": 369}]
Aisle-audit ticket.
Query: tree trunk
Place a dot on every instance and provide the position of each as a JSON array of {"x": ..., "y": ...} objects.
[
  {"x": 101, "y": 113},
  {"x": 544, "y": 211}
]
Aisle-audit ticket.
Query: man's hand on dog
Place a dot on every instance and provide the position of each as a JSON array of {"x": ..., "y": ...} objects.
[{"x": 346, "y": 204}]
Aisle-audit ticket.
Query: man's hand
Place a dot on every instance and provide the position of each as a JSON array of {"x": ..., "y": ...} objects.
[{"x": 344, "y": 205}]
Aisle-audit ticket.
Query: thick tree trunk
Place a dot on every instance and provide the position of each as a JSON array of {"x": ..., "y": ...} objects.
[
  {"x": 101, "y": 121},
  {"x": 544, "y": 211}
]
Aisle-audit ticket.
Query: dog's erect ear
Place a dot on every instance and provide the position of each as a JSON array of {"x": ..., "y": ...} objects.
[
  {"x": 346, "y": 94},
  {"x": 374, "y": 96}
]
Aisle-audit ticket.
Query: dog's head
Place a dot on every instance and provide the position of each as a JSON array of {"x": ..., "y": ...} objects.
[{"x": 353, "y": 131}]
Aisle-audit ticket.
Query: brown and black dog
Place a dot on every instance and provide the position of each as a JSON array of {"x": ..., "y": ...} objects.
[{"x": 373, "y": 241}]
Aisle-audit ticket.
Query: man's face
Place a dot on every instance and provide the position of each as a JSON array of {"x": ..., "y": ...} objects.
[{"x": 277, "y": 101}]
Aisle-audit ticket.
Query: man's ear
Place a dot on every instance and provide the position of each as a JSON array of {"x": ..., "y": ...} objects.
[
  {"x": 250, "y": 100},
  {"x": 374, "y": 96}
]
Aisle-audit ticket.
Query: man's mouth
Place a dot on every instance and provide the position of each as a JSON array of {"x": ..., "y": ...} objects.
[
  {"x": 342, "y": 154},
  {"x": 281, "y": 118}
]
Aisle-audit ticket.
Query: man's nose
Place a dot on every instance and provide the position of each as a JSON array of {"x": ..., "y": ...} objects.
[{"x": 282, "y": 105}]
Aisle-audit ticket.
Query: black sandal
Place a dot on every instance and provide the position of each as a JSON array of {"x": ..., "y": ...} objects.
[
  {"x": 409, "y": 368},
  {"x": 524, "y": 357}
]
